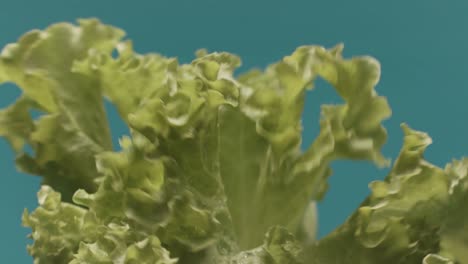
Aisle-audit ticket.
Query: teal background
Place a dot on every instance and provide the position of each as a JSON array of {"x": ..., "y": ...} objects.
[{"x": 420, "y": 44}]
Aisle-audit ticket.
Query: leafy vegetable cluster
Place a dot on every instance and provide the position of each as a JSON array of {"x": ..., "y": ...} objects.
[{"x": 212, "y": 171}]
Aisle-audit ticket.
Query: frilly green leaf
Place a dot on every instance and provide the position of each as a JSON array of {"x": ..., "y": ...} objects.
[
  {"x": 71, "y": 104},
  {"x": 414, "y": 216}
]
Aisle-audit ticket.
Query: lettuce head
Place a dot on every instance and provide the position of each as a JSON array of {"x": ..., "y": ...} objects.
[{"x": 212, "y": 170}]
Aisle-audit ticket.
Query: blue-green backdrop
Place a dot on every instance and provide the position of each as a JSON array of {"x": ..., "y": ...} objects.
[{"x": 420, "y": 44}]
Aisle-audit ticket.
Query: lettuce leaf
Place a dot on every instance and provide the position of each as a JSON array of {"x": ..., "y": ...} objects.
[
  {"x": 416, "y": 215},
  {"x": 212, "y": 171},
  {"x": 74, "y": 126}
]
